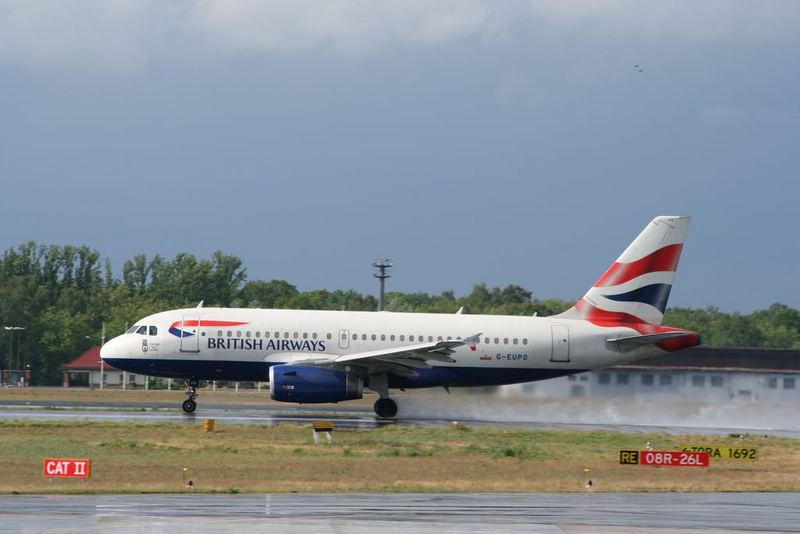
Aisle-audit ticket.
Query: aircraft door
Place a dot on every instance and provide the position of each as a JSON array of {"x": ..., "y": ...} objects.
[
  {"x": 344, "y": 338},
  {"x": 560, "y": 350},
  {"x": 190, "y": 333}
]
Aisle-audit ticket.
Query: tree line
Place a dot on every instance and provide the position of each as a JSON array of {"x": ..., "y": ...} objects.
[{"x": 63, "y": 295}]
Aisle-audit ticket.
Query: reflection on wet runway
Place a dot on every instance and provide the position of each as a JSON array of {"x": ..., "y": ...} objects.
[
  {"x": 516, "y": 512},
  {"x": 620, "y": 416}
]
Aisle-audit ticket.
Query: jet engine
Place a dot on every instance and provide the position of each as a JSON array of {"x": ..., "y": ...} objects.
[{"x": 305, "y": 384}]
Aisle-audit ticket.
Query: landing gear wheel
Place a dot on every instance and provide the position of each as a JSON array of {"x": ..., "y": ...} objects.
[
  {"x": 385, "y": 408},
  {"x": 189, "y": 406}
]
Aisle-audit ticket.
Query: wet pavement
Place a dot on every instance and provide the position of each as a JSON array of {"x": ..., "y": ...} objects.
[{"x": 516, "y": 512}]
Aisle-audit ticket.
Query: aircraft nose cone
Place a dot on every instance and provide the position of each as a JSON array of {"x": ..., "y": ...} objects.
[{"x": 114, "y": 348}]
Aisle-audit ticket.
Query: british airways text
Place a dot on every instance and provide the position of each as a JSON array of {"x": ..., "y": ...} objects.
[{"x": 305, "y": 345}]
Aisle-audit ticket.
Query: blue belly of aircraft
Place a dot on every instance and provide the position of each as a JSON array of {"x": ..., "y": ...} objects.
[{"x": 259, "y": 371}]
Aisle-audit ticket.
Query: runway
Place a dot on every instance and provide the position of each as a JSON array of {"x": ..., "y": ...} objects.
[
  {"x": 355, "y": 416},
  {"x": 402, "y": 513},
  {"x": 357, "y": 513}
]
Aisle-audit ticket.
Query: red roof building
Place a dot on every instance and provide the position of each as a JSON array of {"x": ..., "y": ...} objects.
[
  {"x": 88, "y": 361},
  {"x": 87, "y": 370}
]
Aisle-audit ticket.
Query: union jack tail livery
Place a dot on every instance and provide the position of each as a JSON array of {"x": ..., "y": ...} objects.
[{"x": 635, "y": 289}]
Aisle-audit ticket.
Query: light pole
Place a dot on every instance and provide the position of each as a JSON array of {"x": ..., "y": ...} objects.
[
  {"x": 382, "y": 275},
  {"x": 102, "y": 342},
  {"x": 11, "y": 344}
]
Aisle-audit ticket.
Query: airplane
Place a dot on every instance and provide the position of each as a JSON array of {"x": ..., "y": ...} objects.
[{"x": 311, "y": 356}]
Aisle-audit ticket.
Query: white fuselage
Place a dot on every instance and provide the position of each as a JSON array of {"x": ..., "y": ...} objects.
[{"x": 241, "y": 344}]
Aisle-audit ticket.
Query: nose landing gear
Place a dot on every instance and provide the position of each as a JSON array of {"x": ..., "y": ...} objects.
[{"x": 189, "y": 405}]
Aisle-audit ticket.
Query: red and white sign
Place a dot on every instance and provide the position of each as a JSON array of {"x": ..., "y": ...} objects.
[
  {"x": 674, "y": 458},
  {"x": 67, "y": 467}
]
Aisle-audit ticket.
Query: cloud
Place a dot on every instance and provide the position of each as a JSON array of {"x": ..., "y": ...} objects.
[
  {"x": 350, "y": 26},
  {"x": 126, "y": 36}
]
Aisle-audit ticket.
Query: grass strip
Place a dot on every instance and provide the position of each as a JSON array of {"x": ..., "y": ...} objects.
[{"x": 161, "y": 457}]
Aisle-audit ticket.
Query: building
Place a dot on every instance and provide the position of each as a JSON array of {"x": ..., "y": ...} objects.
[
  {"x": 87, "y": 370},
  {"x": 714, "y": 374}
]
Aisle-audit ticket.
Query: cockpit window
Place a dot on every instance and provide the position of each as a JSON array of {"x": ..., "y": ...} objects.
[
  {"x": 142, "y": 330},
  {"x": 153, "y": 331},
  {"x": 132, "y": 329}
]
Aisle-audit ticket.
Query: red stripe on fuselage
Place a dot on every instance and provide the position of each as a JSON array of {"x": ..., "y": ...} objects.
[
  {"x": 201, "y": 322},
  {"x": 607, "y": 318},
  {"x": 600, "y": 317},
  {"x": 663, "y": 259}
]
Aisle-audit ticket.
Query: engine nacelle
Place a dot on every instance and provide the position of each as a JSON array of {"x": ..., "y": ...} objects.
[{"x": 297, "y": 383}]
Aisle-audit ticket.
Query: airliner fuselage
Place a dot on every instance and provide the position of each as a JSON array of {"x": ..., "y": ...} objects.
[
  {"x": 241, "y": 344},
  {"x": 329, "y": 356}
]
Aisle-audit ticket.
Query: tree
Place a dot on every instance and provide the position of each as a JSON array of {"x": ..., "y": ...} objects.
[{"x": 272, "y": 294}]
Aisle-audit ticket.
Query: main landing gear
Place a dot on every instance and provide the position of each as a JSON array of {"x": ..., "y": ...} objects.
[
  {"x": 385, "y": 408},
  {"x": 189, "y": 405}
]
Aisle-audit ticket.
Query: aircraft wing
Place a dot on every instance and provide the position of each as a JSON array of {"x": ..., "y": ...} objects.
[{"x": 400, "y": 360}]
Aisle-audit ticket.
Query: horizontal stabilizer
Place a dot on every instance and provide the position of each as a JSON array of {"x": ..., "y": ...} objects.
[{"x": 647, "y": 339}]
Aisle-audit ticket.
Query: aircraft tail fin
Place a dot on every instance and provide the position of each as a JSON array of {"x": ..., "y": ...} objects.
[{"x": 635, "y": 288}]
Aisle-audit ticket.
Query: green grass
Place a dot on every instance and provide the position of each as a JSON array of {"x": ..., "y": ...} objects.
[{"x": 151, "y": 457}]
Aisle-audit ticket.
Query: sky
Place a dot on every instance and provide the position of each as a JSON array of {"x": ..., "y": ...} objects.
[{"x": 516, "y": 142}]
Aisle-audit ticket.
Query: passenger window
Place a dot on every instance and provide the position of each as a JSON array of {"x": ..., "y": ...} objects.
[
  {"x": 153, "y": 331},
  {"x": 286, "y": 335},
  {"x": 314, "y": 335},
  {"x": 258, "y": 333},
  {"x": 295, "y": 335},
  {"x": 383, "y": 337},
  {"x": 524, "y": 340},
  {"x": 402, "y": 338},
  {"x": 238, "y": 333},
  {"x": 391, "y": 337},
  {"x": 266, "y": 334},
  {"x": 355, "y": 337},
  {"x": 247, "y": 334},
  {"x": 505, "y": 341},
  {"x": 516, "y": 341},
  {"x": 430, "y": 339},
  {"x": 374, "y": 337},
  {"x": 305, "y": 335},
  {"x": 230, "y": 333},
  {"x": 219, "y": 333},
  {"x": 411, "y": 338},
  {"x": 363, "y": 337},
  {"x": 497, "y": 341},
  {"x": 439, "y": 338},
  {"x": 486, "y": 340},
  {"x": 142, "y": 330},
  {"x": 328, "y": 335},
  {"x": 449, "y": 338},
  {"x": 277, "y": 335}
]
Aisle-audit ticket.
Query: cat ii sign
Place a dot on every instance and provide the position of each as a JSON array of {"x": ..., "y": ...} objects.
[{"x": 67, "y": 468}]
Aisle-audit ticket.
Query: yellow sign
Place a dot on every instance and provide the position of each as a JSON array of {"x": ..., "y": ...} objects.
[{"x": 724, "y": 453}]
